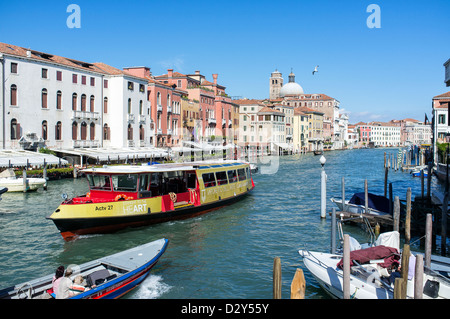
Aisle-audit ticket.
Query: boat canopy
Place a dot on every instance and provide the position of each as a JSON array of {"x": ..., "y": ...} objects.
[
  {"x": 377, "y": 202},
  {"x": 20, "y": 158}
]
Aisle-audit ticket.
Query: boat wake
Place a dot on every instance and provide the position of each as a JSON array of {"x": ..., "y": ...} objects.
[{"x": 152, "y": 288}]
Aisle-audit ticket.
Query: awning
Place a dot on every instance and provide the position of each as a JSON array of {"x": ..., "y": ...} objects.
[
  {"x": 19, "y": 158},
  {"x": 283, "y": 145},
  {"x": 105, "y": 154}
]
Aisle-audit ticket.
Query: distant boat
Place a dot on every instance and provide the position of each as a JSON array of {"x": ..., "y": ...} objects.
[
  {"x": 3, "y": 190},
  {"x": 378, "y": 205},
  {"x": 318, "y": 152},
  {"x": 109, "y": 277},
  {"x": 9, "y": 180}
]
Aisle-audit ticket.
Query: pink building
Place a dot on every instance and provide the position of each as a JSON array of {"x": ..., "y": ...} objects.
[
  {"x": 364, "y": 133},
  {"x": 165, "y": 101}
]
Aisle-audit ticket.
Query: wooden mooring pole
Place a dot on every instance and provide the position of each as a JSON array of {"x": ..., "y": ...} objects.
[
  {"x": 298, "y": 285},
  {"x": 277, "y": 278}
]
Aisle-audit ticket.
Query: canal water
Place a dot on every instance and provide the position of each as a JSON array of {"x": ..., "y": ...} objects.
[{"x": 224, "y": 254}]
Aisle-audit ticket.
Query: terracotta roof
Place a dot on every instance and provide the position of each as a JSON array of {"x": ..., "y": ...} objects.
[
  {"x": 305, "y": 109},
  {"x": 442, "y": 96},
  {"x": 174, "y": 75},
  {"x": 297, "y": 111},
  {"x": 41, "y": 56},
  {"x": 267, "y": 109},
  {"x": 247, "y": 102}
]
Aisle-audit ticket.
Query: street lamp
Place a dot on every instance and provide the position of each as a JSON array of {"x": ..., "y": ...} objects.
[{"x": 323, "y": 188}]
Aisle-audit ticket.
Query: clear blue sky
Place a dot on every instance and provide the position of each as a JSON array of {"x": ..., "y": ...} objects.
[{"x": 377, "y": 74}]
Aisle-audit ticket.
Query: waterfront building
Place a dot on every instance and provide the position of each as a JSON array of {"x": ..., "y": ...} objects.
[
  {"x": 66, "y": 102},
  {"x": 288, "y": 122},
  {"x": 364, "y": 131},
  {"x": 340, "y": 132},
  {"x": 262, "y": 128},
  {"x": 216, "y": 109},
  {"x": 352, "y": 137},
  {"x": 301, "y": 132},
  {"x": 416, "y": 132},
  {"x": 315, "y": 130},
  {"x": 440, "y": 117},
  {"x": 384, "y": 134}
]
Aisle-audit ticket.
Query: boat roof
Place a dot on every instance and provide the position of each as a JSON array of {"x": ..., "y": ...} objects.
[{"x": 169, "y": 167}]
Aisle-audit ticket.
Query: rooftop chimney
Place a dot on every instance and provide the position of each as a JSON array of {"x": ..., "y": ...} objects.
[
  {"x": 215, "y": 78},
  {"x": 197, "y": 72},
  {"x": 169, "y": 73}
]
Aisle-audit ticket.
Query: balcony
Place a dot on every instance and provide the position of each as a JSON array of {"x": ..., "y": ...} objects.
[
  {"x": 159, "y": 131},
  {"x": 169, "y": 109},
  {"x": 130, "y": 118},
  {"x": 142, "y": 119},
  {"x": 169, "y": 132},
  {"x": 211, "y": 121},
  {"x": 85, "y": 115},
  {"x": 130, "y": 143},
  {"x": 159, "y": 108},
  {"x": 85, "y": 143}
]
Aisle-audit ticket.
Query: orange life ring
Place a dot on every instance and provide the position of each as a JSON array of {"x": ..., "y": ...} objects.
[
  {"x": 120, "y": 197},
  {"x": 173, "y": 197}
]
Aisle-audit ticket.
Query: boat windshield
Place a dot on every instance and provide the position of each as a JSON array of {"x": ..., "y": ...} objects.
[
  {"x": 101, "y": 182},
  {"x": 125, "y": 183}
]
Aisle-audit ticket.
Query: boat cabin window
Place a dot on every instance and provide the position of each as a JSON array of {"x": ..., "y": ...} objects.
[
  {"x": 125, "y": 183},
  {"x": 232, "y": 177},
  {"x": 221, "y": 178},
  {"x": 209, "y": 180},
  {"x": 99, "y": 182},
  {"x": 247, "y": 170},
  {"x": 144, "y": 182},
  {"x": 191, "y": 180},
  {"x": 242, "y": 175}
]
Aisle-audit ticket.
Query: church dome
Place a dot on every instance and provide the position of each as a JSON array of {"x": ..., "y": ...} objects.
[{"x": 291, "y": 88}]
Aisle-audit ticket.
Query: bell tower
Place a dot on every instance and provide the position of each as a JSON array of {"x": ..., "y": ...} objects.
[{"x": 276, "y": 82}]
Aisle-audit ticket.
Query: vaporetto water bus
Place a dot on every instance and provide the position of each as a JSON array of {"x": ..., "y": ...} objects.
[{"x": 131, "y": 195}]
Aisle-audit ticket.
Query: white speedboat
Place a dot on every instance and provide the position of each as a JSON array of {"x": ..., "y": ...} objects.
[
  {"x": 372, "y": 273},
  {"x": 9, "y": 180},
  {"x": 377, "y": 205}
]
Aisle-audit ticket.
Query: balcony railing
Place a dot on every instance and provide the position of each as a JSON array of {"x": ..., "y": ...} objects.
[
  {"x": 85, "y": 115},
  {"x": 159, "y": 131},
  {"x": 169, "y": 132},
  {"x": 130, "y": 118},
  {"x": 159, "y": 108},
  {"x": 85, "y": 143},
  {"x": 169, "y": 109},
  {"x": 142, "y": 119}
]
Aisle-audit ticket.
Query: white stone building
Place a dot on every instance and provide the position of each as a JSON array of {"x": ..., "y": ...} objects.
[
  {"x": 69, "y": 103},
  {"x": 384, "y": 134}
]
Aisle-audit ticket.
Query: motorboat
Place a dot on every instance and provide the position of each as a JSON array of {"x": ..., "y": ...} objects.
[
  {"x": 9, "y": 180},
  {"x": 3, "y": 190},
  {"x": 377, "y": 205},
  {"x": 109, "y": 277},
  {"x": 139, "y": 195},
  {"x": 373, "y": 271}
]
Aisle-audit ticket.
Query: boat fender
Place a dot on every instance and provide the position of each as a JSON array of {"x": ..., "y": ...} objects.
[
  {"x": 88, "y": 194},
  {"x": 173, "y": 197},
  {"x": 120, "y": 197}
]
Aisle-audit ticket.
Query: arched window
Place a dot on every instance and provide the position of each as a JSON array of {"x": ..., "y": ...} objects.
[
  {"x": 58, "y": 131},
  {"x": 141, "y": 132},
  {"x": 105, "y": 105},
  {"x": 58, "y": 100},
  {"x": 74, "y": 102},
  {"x": 13, "y": 94},
  {"x": 74, "y": 131},
  {"x": 44, "y": 98},
  {"x": 15, "y": 130},
  {"x": 130, "y": 132},
  {"x": 44, "y": 130},
  {"x": 168, "y": 100},
  {"x": 158, "y": 98},
  {"x": 129, "y": 106},
  {"x": 140, "y": 108},
  {"x": 92, "y": 131},
  {"x": 92, "y": 102},
  {"x": 83, "y": 102},
  {"x": 106, "y": 132},
  {"x": 83, "y": 131}
]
